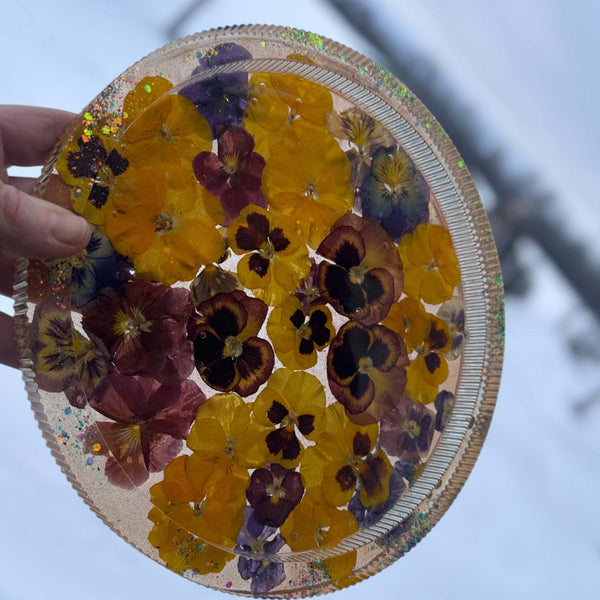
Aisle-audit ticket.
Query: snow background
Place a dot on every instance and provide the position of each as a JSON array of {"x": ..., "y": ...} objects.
[{"x": 525, "y": 524}]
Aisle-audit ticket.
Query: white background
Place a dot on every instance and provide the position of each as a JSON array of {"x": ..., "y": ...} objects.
[{"x": 526, "y": 524}]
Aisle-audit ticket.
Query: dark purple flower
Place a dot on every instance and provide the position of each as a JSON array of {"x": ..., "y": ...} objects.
[
  {"x": 234, "y": 173},
  {"x": 220, "y": 99},
  {"x": 453, "y": 313},
  {"x": 444, "y": 403},
  {"x": 273, "y": 493},
  {"x": 407, "y": 431},
  {"x": 259, "y": 539}
]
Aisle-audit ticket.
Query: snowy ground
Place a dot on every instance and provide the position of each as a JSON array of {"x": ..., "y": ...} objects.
[{"x": 525, "y": 525}]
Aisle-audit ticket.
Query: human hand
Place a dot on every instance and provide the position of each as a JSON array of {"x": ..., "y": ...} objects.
[{"x": 30, "y": 227}]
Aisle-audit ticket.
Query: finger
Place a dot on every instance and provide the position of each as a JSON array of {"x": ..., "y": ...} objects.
[
  {"x": 37, "y": 229},
  {"x": 8, "y": 342},
  {"x": 25, "y": 184},
  {"x": 7, "y": 272},
  {"x": 29, "y": 133}
]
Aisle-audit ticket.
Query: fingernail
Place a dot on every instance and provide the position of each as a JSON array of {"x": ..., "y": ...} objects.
[{"x": 69, "y": 228}]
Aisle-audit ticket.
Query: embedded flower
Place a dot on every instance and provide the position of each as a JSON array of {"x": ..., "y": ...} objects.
[
  {"x": 429, "y": 367},
  {"x": 167, "y": 233},
  {"x": 369, "y": 515},
  {"x": 313, "y": 526},
  {"x": 407, "y": 431},
  {"x": 229, "y": 356},
  {"x": 309, "y": 181},
  {"x": 220, "y": 99},
  {"x": 213, "y": 280},
  {"x": 142, "y": 328},
  {"x": 343, "y": 461},
  {"x": 275, "y": 261},
  {"x": 365, "y": 273},
  {"x": 191, "y": 519},
  {"x": 291, "y": 405},
  {"x": 365, "y": 367},
  {"x": 453, "y": 314},
  {"x": 96, "y": 267},
  {"x": 297, "y": 334},
  {"x": 166, "y": 132},
  {"x": 226, "y": 439},
  {"x": 308, "y": 291},
  {"x": 64, "y": 359},
  {"x": 409, "y": 471},
  {"x": 431, "y": 270},
  {"x": 273, "y": 493},
  {"x": 150, "y": 422},
  {"x": 145, "y": 92},
  {"x": 91, "y": 164},
  {"x": 234, "y": 173},
  {"x": 444, "y": 403},
  {"x": 394, "y": 193},
  {"x": 262, "y": 541},
  {"x": 281, "y": 105},
  {"x": 408, "y": 318},
  {"x": 364, "y": 136}
]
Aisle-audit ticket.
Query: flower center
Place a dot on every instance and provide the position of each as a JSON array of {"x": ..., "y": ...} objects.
[
  {"x": 357, "y": 273},
  {"x": 433, "y": 265},
  {"x": 165, "y": 133},
  {"x": 129, "y": 323},
  {"x": 365, "y": 365},
  {"x": 106, "y": 177},
  {"x": 233, "y": 347},
  {"x": 412, "y": 428},
  {"x": 267, "y": 250},
  {"x": 320, "y": 533},
  {"x": 230, "y": 445},
  {"x": 275, "y": 490},
  {"x": 163, "y": 222},
  {"x": 258, "y": 546},
  {"x": 230, "y": 163},
  {"x": 304, "y": 331},
  {"x": 310, "y": 191},
  {"x": 198, "y": 507},
  {"x": 290, "y": 420}
]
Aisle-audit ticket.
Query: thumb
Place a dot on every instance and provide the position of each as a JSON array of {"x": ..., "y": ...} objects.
[{"x": 35, "y": 228}]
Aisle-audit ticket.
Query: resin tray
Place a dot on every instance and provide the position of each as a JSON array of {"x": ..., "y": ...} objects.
[{"x": 274, "y": 365}]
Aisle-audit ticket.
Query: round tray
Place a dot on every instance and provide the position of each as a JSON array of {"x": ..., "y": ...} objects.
[{"x": 274, "y": 365}]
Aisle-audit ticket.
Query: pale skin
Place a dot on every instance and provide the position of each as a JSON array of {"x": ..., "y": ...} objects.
[{"x": 30, "y": 227}]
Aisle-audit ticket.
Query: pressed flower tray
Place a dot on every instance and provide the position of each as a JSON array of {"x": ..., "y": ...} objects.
[{"x": 274, "y": 365}]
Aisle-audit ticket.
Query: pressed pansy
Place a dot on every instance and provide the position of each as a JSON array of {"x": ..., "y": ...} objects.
[
  {"x": 234, "y": 173},
  {"x": 229, "y": 355},
  {"x": 394, "y": 193},
  {"x": 291, "y": 406},
  {"x": 263, "y": 541},
  {"x": 408, "y": 318},
  {"x": 313, "y": 526},
  {"x": 141, "y": 328},
  {"x": 273, "y": 493},
  {"x": 343, "y": 460},
  {"x": 166, "y": 132},
  {"x": 407, "y": 431},
  {"x": 308, "y": 291},
  {"x": 298, "y": 334},
  {"x": 149, "y": 423},
  {"x": 91, "y": 164},
  {"x": 281, "y": 105},
  {"x": 453, "y": 314},
  {"x": 220, "y": 98},
  {"x": 192, "y": 519},
  {"x": 444, "y": 403},
  {"x": 364, "y": 276},
  {"x": 275, "y": 260},
  {"x": 64, "y": 359},
  {"x": 365, "y": 367},
  {"x": 431, "y": 270},
  {"x": 171, "y": 233},
  {"x": 309, "y": 180},
  {"x": 364, "y": 136},
  {"x": 96, "y": 267}
]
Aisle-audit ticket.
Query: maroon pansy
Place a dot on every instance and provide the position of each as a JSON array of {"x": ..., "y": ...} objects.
[
  {"x": 364, "y": 276},
  {"x": 143, "y": 328},
  {"x": 273, "y": 493},
  {"x": 234, "y": 173},
  {"x": 407, "y": 431},
  {"x": 365, "y": 367},
  {"x": 228, "y": 354},
  {"x": 149, "y": 423}
]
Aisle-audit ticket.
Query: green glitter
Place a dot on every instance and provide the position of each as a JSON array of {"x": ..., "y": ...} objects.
[
  {"x": 87, "y": 116},
  {"x": 148, "y": 88},
  {"x": 263, "y": 44},
  {"x": 460, "y": 164},
  {"x": 498, "y": 280},
  {"x": 427, "y": 125},
  {"x": 361, "y": 71},
  {"x": 87, "y": 131},
  {"x": 105, "y": 129}
]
